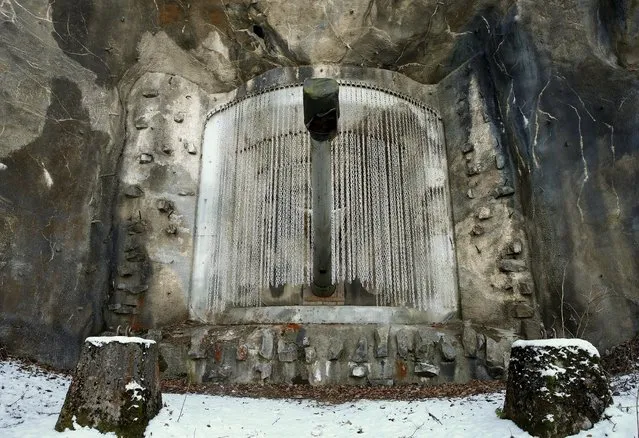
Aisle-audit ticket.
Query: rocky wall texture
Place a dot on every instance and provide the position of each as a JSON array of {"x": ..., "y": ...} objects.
[
  {"x": 557, "y": 81},
  {"x": 325, "y": 354}
]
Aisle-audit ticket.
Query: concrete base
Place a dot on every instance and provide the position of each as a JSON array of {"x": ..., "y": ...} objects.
[
  {"x": 335, "y": 354},
  {"x": 329, "y": 315}
]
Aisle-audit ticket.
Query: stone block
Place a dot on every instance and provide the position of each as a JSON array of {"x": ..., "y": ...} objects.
[
  {"x": 556, "y": 387},
  {"x": 132, "y": 191},
  {"x": 358, "y": 370},
  {"x": 448, "y": 350},
  {"x": 425, "y": 344},
  {"x": 484, "y": 213},
  {"x": 512, "y": 265},
  {"x": 335, "y": 349},
  {"x": 467, "y": 147},
  {"x": 361, "y": 350},
  {"x": 469, "y": 340},
  {"x": 381, "y": 341},
  {"x": 286, "y": 351},
  {"x": 426, "y": 369},
  {"x": 115, "y": 388},
  {"x": 265, "y": 370},
  {"x": 310, "y": 355},
  {"x": 404, "y": 343},
  {"x": 267, "y": 345},
  {"x": 146, "y": 158},
  {"x": 502, "y": 191},
  {"x": 241, "y": 353},
  {"x": 477, "y": 230}
]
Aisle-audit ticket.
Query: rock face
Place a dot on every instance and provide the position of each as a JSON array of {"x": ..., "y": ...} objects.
[
  {"x": 103, "y": 118},
  {"x": 115, "y": 388},
  {"x": 555, "y": 387}
]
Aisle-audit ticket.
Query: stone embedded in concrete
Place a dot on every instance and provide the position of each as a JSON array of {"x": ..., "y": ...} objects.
[
  {"x": 404, "y": 343},
  {"x": 556, "y": 387},
  {"x": 141, "y": 123},
  {"x": 171, "y": 229},
  {"x": 515, "y": 247},
  {"x": 310, "y": 355},
  {"x": 190, "y": 147},
  {"x": 484, "y": 213},
  {"x": 265, "y": 370},
  {"x": 150, "y": 92},
  {"x": 358, "y": 370},
  {"x": 241, "y": 353},
  {"x": 178, "y": 118},
  {"x": 115, "y": 388},
  {"x": 197, "y": 346},
  {"x": 146, "y": 158},
  {"x": 477, "y": 230},
  {"x": 381, "y": 341},
  {"x": 522, "y": 288},
  {"x": 470, "y": 194},
  {"x": 167, "y": 149},
  {"x": 360, "y": 354},
  {"x": 220, "y": 373},
  {"x": 426, "y": 369},
  {"x": 314, "y": 370},
  {"x": 467, "y": 147},
  {"x": 425, "y": 344},
  {"x": 469, "y": 340},
  {"x": 500, "y": 161},
  {"x": 497, "y": 356},
  {"x": 286, "y": 351},
  {"x": 267, "y": 345},
  {"x": 132, "y": 191},
  {"x": 512, "y": 265},
  {"x": 502, "y": 191},
  {"x": 335, "y": 349},
  {"x": 165, "y": 205},
  {"x": 472, "y": 169},
  {"x": 448, "y": 350}
]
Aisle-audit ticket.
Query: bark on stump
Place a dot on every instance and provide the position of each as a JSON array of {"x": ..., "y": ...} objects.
[
  {"x": 556, "y": 387},
  {"x": 116, "y": 387}
]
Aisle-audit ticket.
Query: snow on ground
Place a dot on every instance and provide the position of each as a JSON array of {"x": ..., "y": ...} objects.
[{"x": 30, "y": 400}]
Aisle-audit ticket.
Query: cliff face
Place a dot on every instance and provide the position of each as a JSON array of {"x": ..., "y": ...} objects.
[{"x": 88, "y": 223}]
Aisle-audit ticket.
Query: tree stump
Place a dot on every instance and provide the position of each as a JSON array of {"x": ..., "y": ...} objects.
[
  {"x": 556, "y": 387},
  {"x": 116, "y": 387}
]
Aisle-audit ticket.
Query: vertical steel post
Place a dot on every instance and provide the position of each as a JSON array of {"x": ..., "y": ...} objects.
[{"x": 321, "y": 111}]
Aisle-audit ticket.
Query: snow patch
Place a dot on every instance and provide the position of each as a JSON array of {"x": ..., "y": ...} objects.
[
  {"x": 572, "y": 344},
  {"x": 137, "y": 390},
  {"x": 31, "y": 399},
  {"x": 99, "y": 341}
]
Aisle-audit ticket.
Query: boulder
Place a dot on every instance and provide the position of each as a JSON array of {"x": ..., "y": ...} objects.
[
  {"x": 556, "y": 387},
  {"x": 115, "y": 388}
]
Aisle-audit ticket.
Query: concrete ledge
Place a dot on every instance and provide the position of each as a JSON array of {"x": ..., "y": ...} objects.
[{"x": 329, "y": 315}]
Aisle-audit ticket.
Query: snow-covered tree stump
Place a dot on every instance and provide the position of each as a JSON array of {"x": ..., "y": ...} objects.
[
  {"x": 555, "y": 387},
  {"x": 116, "y": 387}
]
